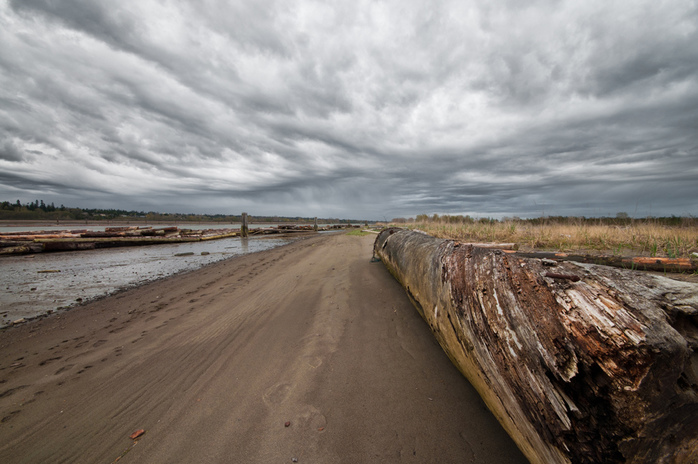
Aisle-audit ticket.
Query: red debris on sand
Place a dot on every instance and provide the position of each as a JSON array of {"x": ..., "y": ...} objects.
[
  {"x": 136, "y": 434},
  {"x": 287, "y": 423}
]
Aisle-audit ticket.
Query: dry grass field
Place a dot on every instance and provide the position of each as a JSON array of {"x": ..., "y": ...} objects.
[{"x": 675, "y": 238}]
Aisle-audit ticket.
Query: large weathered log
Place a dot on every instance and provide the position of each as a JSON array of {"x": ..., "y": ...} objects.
[{"x": 589, "y": 364}]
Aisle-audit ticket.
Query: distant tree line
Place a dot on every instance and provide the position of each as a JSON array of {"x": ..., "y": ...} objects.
[
  {"x": 39, "y": 210},
  {"x": 33, "y": 206}
]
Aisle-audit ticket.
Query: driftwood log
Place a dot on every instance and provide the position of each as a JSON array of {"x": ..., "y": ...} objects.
[{"x": 578, "y": 362}]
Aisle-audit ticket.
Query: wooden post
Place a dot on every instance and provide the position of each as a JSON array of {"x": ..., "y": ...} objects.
[
  {"x": 244, "y": 230},
  {"x": 315, "y": 225}
]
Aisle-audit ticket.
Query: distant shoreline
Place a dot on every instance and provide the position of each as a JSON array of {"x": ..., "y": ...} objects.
[
  {"x": 137, "y": 222},
  {"x": 74, "y": 222}
]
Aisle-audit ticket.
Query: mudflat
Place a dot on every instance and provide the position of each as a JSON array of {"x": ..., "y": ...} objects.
[{"x": 306, "y": 353}]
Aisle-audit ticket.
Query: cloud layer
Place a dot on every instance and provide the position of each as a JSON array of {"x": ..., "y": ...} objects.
[{"x": 357, "y": 109}]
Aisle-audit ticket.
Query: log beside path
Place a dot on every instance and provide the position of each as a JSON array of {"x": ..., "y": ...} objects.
[{"x": 579, "y": 362}]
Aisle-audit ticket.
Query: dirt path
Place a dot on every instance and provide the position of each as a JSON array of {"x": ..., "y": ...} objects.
[{"x": 213, "y": 363}]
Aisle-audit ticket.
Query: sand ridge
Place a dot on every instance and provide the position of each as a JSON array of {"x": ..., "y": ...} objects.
[{"x": 214, "y": 363}]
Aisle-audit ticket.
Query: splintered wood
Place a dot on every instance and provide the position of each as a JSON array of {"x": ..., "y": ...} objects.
[{"x": 578, "y": 362}]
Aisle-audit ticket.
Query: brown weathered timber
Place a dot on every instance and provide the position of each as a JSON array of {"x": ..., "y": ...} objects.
[
  {"x": 43, "y": 232},
  {"x": 20, "y": 249},
  {"x": 76, "y": 244},
  {"x": 13, "y": 243},
  {"x": 636, "y": 263},
  {"x": 220, "y": 236},
  {"x": 130, "y": 232},
  {"x": 33, "y": 236},
  {"x": 68, "y": 245},
  {"x": 495, "y": 246},
  {"x": 602, "y": 370},
  {"x": 244, "y": 227}
]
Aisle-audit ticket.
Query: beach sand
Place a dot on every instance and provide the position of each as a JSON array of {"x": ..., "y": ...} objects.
[{"x": 214, "y": 363}]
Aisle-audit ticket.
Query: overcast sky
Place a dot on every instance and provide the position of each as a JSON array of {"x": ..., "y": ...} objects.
[{"x": 352, "y": 109}]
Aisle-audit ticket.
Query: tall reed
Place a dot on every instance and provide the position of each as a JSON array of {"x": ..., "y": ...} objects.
[{"x": 638, "y": 237}]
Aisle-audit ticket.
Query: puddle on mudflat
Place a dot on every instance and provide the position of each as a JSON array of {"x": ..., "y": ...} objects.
[{"x": 26, "y": 292}]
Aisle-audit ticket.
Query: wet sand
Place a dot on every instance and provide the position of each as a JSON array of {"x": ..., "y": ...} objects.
[
  {"x": 213, "y": 363},
  {"x": 29, "y": 291}
]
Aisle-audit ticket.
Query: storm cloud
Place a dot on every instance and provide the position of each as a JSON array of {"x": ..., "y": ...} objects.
[{"x": 354, "y": 109}]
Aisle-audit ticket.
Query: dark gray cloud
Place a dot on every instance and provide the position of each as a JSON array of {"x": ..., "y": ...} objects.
[{"x": 352, "y": 109}]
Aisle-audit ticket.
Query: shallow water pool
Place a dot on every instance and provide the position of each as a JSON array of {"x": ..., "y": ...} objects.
[{"x": 33, "y": 285}]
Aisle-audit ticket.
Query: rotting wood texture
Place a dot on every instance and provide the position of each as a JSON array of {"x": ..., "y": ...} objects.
[{"x": 599, "y": 370}]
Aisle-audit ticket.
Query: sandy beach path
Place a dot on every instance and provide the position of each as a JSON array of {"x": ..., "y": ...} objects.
[{"x": 213, "y": 363}]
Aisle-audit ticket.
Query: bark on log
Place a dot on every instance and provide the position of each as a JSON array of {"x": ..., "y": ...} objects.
[
  {"x": 66, "y": 245},
  {"x": 219, "y": 236},
  {"x": 601, "y": 370},
  {"x": 56, "y": 244},
  {"x": 13, "y": 243},
  {"x": 17, "y": 250}
]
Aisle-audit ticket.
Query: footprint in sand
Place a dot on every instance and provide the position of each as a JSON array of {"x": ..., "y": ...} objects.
[
  {"x": 9, "y": 416},
  {"x": 312, "y": 418},
  {"x": 12, "y": 390},
  {"x": 49, "y": 360},
  {"x": 277, "y": 393},
  {"x": 468, "y": 447},
  {"x": 64, "y": 368},
  {"x": 159, "y": 307},
  {"x": 313, "y": 361},
  {"x": 98, "y": 343}
]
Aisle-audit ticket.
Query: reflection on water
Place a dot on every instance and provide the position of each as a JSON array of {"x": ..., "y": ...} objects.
[{"x": 26, "y": 291}]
